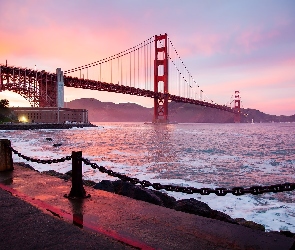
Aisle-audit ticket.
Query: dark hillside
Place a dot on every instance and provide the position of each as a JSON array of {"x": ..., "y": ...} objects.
[{"x": 178, "y": 112}]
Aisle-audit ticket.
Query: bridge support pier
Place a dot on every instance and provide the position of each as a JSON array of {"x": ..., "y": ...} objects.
[{"x": 161, "y": 78}]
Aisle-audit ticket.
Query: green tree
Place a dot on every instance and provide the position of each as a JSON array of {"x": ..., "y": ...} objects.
[{"x": 4, "y": 103}]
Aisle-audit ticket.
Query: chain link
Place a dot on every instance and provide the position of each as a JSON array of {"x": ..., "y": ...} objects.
[
  {"x": 190, "y": 190},
  {"x": 27, "y": 158}
]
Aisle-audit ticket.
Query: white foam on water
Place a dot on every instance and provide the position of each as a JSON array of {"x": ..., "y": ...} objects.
[{"x": 195, "y": 155}]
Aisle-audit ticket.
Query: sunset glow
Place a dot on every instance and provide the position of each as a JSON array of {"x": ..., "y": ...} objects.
[{"x": 245, "y": 45}]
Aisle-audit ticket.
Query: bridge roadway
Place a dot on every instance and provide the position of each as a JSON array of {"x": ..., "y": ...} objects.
[
  {"x": 117, "y": 88},
  {"x": 22, "y": 81},
  {"x": 108, "y": 221}
]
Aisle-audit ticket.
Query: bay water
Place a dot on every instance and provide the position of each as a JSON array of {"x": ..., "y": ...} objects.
[{"x": 195, "y": 155}]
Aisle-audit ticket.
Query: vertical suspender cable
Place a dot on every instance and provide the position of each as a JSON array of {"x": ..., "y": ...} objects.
[
  {"x": 138, "y": 67},
  {"x": 134, "y": 68},
  {"x": 130, "y": 69},
  {"x": 144, "y": 65},
  {"x": 118, "y": 69},
  {"x": 167, "y": 45},
  {"x": 179, "y": 85},
  {"x": 111, "y": 70},
  {"x": 151, "y": 66},
  {"x": 121, "y": 72}
]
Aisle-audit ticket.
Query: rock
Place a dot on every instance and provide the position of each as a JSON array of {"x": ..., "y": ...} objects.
[
  {"x": 146, "y": 195},
  {"x": 168, "y": 201},
  {"x": 25, "y": 165},
  {"x": 70, "y": 173},
  {"x": 105, "y": 185},
  {"x": 57, "y": 174},
  {"x": 217, "y": 215},
  {"x": 287, "y": 233},
  {"x": 136, "y": 192},
  {"x": 89, "y": 183},
  {"x": 193, "y": 206},
  {"x": 250, "y": 224},
  {"x": 130, "y": 190}
]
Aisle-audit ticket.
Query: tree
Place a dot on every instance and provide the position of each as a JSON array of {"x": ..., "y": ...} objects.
[{"x": 4, "y": 103}]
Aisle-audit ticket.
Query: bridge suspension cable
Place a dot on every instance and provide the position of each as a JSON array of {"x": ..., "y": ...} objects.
[
  {"x": 139, "y": 61},
  {"x": 184, "y": 75}
]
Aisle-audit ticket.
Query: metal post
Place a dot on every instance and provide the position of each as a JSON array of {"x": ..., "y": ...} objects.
[
  {"x": 77, "y": 190},
  {"x": 6, "y": 162}
]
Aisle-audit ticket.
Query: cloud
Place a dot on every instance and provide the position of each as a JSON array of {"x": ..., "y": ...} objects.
[{"x": 225, "y": 44}]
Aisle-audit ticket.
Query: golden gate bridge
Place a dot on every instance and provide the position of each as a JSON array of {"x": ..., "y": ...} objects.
[{"x": 152, "y": 68}]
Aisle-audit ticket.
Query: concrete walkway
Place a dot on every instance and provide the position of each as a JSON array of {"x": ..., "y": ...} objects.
[
  {"x": 108, "y": 221},
  {"x": 23, "y": 226}
]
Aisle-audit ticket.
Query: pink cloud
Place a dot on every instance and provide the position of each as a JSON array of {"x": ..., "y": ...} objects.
[
  {"x": 253, "y": 38},
  {"x": 277, "y": 106}
]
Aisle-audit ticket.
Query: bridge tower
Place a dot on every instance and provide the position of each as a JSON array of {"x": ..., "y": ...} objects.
[
  {"x": 237, "y": 107},
  {"x": 161, "y": 79},
  {"x": 60, "y": 88}
]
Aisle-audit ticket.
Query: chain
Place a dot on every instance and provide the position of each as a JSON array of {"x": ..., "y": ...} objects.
[
  {"x": 63, "y": 159},
  {"x": 158, "y": 186},
  {"x": 191, "y": 190}
]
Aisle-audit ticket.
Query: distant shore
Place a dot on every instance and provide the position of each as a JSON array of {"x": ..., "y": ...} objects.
[{"x": 31, "y": 126}]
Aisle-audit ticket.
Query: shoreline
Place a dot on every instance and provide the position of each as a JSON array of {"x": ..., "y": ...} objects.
[
  {"x": 134, "y": 222},
  {"x": 190, "y": 206},
  {"x": 32, "y": 126}
]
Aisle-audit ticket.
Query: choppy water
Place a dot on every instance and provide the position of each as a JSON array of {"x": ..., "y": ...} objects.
[{"x": 198, "y": 155}]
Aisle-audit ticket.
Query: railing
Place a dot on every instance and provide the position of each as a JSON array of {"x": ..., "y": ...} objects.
[{"x": 77, "y": 190}]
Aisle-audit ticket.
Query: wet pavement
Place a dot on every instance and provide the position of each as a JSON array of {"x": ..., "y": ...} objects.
[
  {"x": 23, "y": 226},
  {"x": 108, "y": 221}
]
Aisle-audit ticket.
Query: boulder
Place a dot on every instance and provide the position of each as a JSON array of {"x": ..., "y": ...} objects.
[
  {"x": 193, "y": 206},
  {"x": 105, "y": 185},
  {"x": 57, "y": 174},
  {"x": 288, "y": 233},
  {"x": 168, "y": 201},
  {"x": 250, "y": 224},
  {"x": 136, "y": 192},
  {"x": 217, "y": 215},
  {"x": 89, "y": 183}
]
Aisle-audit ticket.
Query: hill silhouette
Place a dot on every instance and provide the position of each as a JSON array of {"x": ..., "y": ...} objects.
[{"x": 178, "y": 112}]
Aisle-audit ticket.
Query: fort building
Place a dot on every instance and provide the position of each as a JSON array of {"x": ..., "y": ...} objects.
[{"x": 50, "y": 115}]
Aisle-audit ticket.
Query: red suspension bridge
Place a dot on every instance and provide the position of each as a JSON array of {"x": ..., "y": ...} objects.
[{"x": 142, "y": 70}]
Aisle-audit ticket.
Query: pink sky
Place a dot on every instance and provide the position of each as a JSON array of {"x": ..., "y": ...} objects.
[{"x": 227, "y": 45}]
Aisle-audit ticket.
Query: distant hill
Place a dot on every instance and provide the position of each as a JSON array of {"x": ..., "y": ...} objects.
[
  {"x": 178, "y": 112},
  {"x": 110, "y": 112}
]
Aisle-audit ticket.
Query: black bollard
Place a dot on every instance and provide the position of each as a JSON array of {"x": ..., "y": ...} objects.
[
  {"x": 77, "y": 191},
  {"x": 6, "y": 162}
]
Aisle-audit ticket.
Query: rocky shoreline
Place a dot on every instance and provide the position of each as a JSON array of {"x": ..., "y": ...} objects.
[
  {"x": 31, "y": 126},
  {"x": 191, "y": 205}
]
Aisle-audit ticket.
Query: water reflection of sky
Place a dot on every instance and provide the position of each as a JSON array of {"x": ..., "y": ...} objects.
[
  {"x": 200, "y": 155},
  {"x": 220, "y": 154}
]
